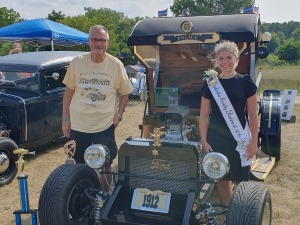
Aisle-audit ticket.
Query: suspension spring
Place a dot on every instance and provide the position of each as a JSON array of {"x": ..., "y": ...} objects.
[
  {"x": 211, "y": 220},
  {"x": 98, "y": 207},
  {"x": 205, "y": 215}
]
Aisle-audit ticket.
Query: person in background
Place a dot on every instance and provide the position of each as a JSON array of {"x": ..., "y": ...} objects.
[
  {"x": 215, "y": 132},
  {"x": 17, "y": 48},
  {"x": 90, "y": 109}
]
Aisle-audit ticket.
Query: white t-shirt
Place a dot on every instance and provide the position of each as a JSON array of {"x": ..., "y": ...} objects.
[{"x": 96, "y": 86}]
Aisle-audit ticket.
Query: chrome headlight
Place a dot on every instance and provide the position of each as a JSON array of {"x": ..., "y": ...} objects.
[
  {"x": 215, "y": 165},
  {"x": 96, "y": 156}
]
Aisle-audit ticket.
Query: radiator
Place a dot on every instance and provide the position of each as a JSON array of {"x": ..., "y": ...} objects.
[{"x": 174, "y": 169}]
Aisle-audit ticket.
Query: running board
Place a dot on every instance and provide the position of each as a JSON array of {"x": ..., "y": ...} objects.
[{"x": 261, "y": 167}]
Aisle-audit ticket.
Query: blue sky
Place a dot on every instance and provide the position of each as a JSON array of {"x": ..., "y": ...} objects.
[{"x": 270, "y": 10}]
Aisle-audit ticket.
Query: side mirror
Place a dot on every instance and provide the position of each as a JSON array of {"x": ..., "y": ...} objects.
[
  {"x": 54, "y": 75},
  {"x": 262, "y": 52}
]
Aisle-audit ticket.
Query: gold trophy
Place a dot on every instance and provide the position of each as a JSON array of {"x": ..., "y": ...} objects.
[
  {"x": 20, "y": 163},
  {"x": 24, "y": 197},
  {"x": 70, "y": 148}
]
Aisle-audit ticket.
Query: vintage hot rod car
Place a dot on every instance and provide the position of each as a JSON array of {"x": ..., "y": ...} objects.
[
  {"x": 31, "y": 92},
  {"x": 163, "y": 177}
]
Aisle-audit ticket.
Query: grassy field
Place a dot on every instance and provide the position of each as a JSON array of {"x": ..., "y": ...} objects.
[{"x": 280, "y": 78}]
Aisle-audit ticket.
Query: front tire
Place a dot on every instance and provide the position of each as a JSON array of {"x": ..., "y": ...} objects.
[
  {"x": 62, "y": 200},
  {"x": 250, "y": 205},
  {"x": 8, "y": 168}
]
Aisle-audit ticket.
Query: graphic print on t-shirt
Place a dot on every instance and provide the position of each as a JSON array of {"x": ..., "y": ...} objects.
[{"x": 93, "y": 88}]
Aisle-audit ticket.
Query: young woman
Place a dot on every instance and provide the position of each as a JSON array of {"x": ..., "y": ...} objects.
[{"x": 216, "y": 134}]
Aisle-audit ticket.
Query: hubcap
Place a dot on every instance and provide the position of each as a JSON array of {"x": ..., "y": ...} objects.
[{"x": 4, "y": 162}]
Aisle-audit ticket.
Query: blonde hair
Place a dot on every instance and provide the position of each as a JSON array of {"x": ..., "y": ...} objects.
[
  {"x": 17, "y": 45},
  {"x": 229, "y": 46}
]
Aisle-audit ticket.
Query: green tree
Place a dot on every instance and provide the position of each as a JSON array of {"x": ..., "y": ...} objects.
[
  {"x": 208, "y": 7},
  {"x": 281, "y": 36},
  {"x": 119, "y": 26},
  {"x": 271, "y": 61},
  {"x": 274, "y": 43},
  {"x": 287, "y": 28},
  {"x": 8, "y": 16},
  {"x": 56, "y": 16},
  {"x": 289, "y": 51},
  {"x": 79, "y": 22},
  {"x": 117, "y": 23},
  {"x": 296, "y": 34}
]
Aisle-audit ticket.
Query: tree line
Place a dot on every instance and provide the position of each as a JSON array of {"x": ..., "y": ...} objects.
[
  {"x": 285, "y": 43},
  {"x": 284, "y": 46}
]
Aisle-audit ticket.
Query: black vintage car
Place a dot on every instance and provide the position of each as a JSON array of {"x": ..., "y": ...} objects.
[
  {"x": 31, "y": 92},
  {"x": 163, "y": 177}
]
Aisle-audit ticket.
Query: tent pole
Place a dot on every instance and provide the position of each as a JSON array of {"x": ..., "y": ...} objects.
[
  {"x": 52, "y": 45},
  {"x": 37, "y": 46}
]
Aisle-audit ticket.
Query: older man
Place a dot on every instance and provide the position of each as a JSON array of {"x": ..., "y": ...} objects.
[{"x": 90, "y": 109}]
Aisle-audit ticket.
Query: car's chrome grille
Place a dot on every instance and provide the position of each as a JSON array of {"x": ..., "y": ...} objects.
[{"x": 174, "y": 169}]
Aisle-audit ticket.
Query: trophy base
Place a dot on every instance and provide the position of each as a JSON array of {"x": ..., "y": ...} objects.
[{"x": 33, "y": 213}]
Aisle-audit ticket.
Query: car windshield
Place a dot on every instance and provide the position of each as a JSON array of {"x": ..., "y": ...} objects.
[{"x": 19, "y": 79}]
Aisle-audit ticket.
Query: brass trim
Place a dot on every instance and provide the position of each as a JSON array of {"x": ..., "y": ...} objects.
[
  {"x": 186, "y": 26},
  {"x": 192, "y": 38}
]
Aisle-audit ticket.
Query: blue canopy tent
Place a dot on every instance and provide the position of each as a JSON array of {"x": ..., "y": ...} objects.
[{"x": 41, "y": 32}]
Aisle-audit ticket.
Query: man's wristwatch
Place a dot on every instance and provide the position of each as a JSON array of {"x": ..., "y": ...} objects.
[{"x": 119, "y": 116}]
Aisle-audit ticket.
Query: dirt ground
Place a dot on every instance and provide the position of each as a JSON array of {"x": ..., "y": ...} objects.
[{"x": 283, "y": 181}]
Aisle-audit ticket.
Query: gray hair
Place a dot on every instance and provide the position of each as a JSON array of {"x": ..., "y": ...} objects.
[{"x": 100, "y": 28}]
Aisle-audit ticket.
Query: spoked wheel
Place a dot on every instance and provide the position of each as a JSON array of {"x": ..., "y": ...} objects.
[
  {"x": 8, "y": 168},
  {"x": 250, "y": 205},
  {"x": 62, "y": 200}
]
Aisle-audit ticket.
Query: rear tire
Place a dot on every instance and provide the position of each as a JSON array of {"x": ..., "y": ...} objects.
[
  {"x": 8, "y": 168},
  {"x": 270, "y": 124},
  {"x": 62, "y": 200},
  {"x": 250, "y": 205}
]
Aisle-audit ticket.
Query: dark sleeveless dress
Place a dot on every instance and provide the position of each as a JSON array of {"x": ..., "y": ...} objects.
[{"x": 238, "y": 89}]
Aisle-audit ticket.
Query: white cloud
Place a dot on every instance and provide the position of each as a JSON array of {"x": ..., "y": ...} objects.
[
  {"x": 270, "y": 10},
  {"x": 32, "y": 9}
]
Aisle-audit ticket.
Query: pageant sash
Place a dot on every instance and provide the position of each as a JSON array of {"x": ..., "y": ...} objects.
[{"x": 242, "y": 136}]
